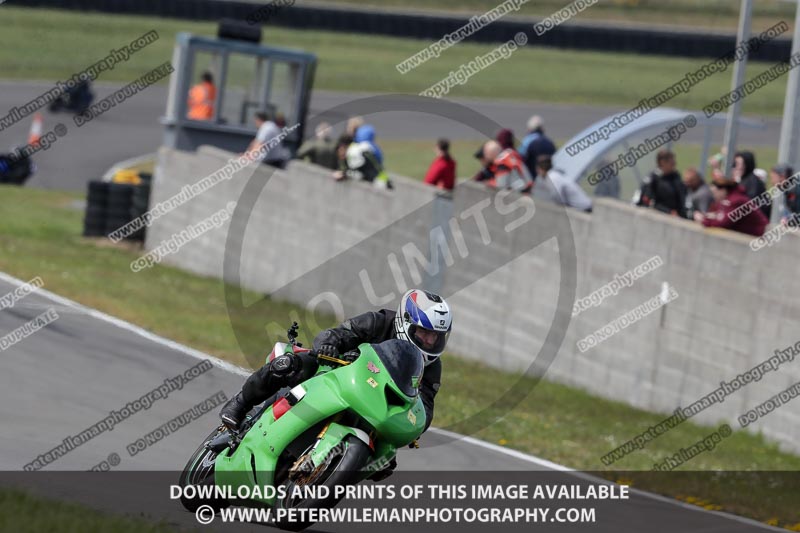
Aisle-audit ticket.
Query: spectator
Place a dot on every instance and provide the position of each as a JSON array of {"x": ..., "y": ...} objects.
[
  {"x": 716, "y": 161},
  {"x": 342, "y": 144},
  {"x": 505, "y": 139},
  {"x": 744, "y": 163},
  {"x": 321, "y": 150},
  {"x": 366, "y": 133},
  {"x": 535, "y": 143},
  {"x": 485, "y": 163},
  {"x": 268, "y": 130},
  {"x": 353, "y": 123},
  {"x": 442, "y": 172},
  {"x": 358, "y": 161},
  {"x": 503, "y": 169},
  {"x": 609, "y": 187},
  {"x": 699, "y": 196},
  {"x": 729, "y": 196},
  {"x": 553, "y": 186},
  {"x": 791, "y": 193},
  {"x": 202, "y": 97},
  {"x": 663, "y": 189}
]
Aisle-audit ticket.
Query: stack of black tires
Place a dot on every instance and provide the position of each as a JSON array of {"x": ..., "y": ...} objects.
[{"x": 110, "y": 206}]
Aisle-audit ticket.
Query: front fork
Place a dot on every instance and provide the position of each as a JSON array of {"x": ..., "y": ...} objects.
[
  {"x": 305, "y": 463},
  {"x": 330, "y": 440}
]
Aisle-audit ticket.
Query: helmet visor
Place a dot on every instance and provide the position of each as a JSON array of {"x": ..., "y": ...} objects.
[{"x": 428, "y": 340}]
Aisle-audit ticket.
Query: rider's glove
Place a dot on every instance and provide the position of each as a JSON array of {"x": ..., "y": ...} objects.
[
  {"x": 285, "y": 365},
  {"x": 328, "y": 349}
]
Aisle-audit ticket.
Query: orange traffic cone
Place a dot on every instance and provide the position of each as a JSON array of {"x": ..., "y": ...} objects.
[{"x": 36, "y": 130}]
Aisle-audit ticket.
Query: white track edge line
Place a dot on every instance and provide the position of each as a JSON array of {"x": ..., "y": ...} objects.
[{"x": 197, "y": 354}]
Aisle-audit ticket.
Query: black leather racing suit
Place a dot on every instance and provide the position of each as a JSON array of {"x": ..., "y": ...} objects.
[{"x": 371, "y": 327}]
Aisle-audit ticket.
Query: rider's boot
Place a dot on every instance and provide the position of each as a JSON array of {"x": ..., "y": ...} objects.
[{"x": 234, "y": 412}]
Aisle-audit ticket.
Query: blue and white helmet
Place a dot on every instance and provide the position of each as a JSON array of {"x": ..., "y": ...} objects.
[{"x": 423, "y": 314}]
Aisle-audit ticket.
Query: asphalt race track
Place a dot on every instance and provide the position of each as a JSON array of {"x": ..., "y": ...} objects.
[
  {"x": 133, "y": 129},
  {"x": 70, "y": 374}
]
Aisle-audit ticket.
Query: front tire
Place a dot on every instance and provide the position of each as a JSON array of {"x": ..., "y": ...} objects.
[
  {"x": 341, "y": 468},
  {"x": 200, "y": 471}
]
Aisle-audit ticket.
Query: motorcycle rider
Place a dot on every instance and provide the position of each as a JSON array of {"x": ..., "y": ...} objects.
[{"x": 422, "y": 318}]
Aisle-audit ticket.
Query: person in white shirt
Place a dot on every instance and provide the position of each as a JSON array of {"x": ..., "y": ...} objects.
[
  {"x": 553, "y": 186},
  {"x": 278, "y": 155}
]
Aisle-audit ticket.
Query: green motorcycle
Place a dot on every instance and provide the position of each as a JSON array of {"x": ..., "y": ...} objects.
[{"x": 337, "y": 428}]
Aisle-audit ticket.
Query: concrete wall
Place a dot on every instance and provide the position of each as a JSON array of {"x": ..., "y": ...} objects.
[{"x": 734, "y": 308}]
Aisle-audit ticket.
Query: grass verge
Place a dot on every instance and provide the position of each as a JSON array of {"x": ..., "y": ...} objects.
[
  {"x": 356, "y": 62},
  {"x": 22, "y": 512},
  {"x": 39, "y": 236},
  {"x": 713, "y": 14}
]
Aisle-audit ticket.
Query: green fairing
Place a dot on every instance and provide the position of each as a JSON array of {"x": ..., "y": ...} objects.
[{"x": 331, "y": 391}]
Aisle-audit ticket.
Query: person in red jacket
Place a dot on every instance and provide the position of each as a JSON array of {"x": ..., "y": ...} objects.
[
  {"x": 442, "y": 172},
  {"x": 728, "y": 197}
]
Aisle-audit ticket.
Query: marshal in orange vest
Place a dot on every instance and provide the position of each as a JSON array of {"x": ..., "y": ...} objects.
[{"x": 202, "y": 97}]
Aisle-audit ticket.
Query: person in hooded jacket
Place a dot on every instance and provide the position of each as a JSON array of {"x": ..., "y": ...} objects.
[
  {"x": 744, "y": 163},
  {"x": 366, "y": 133},
  {"x": 358, "y": 161}
]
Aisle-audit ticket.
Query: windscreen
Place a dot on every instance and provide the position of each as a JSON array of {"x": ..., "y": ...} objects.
[{"x": 404, "y": 363}]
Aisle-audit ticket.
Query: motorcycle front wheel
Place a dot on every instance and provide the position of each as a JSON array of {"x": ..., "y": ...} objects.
[
  {"x": 341, "y": 467},
  {"x": 200, "y": 471}
]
